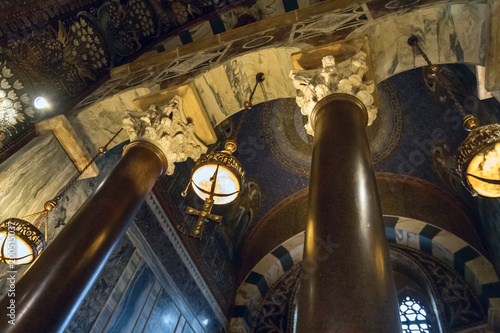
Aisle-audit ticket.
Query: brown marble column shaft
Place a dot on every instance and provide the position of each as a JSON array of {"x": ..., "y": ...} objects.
[
  {"x": 52, "y": 289},
  {"x": 347, "y": 284}
]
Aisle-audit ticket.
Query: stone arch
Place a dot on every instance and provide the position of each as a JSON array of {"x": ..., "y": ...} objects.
[
  {"x": 224, "y": 77},
  {"x": 464, "y": 259}
]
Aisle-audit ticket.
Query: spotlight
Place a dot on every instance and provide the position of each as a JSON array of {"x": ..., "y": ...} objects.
[{"x": 41, "y": 103}]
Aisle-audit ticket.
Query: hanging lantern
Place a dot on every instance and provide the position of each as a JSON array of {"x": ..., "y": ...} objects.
[
  {"x": 230, "y": 175},
  {"x": 20, "y": 241},
  {"x": 478, "y": 159},
  {"x": 217, "y": 177}
]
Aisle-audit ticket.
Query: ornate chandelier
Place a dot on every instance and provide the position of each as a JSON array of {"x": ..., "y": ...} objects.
[
  {"x": 218, "y": 176},
  {"x": 478, "y": 157}
]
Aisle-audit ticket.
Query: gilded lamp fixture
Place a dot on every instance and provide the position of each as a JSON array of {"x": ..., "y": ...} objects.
[
  {"x": 21, "y": 241},
  {"x": 218, "y": 176},
  {"x": 478, "y": 157}
]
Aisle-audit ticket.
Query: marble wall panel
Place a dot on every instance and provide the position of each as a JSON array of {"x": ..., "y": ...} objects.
[
  {"x": 201, "y": 31},
  {"x": 148, "y": 307},
  {"x": 493, "y": 51},
  {"x": 97, "y": 124},
  {"x": 132, "y": 301},
  {"x": 381, "y": 8},
  {"x": 74, "y": 198},
  {"x": 270, "y": 8},
  {"x": 276, "y": 65},
  {"x": 271, "y": 38},
  {"x": 119, "y": 289},
  {"x": 33, "y": 176},
  {"x": 93, "y": 304},
  {"x": 450, "y": 33},
  {"x": 193, "y": 62},
  {"x": 231, "y": 18},
  {"x": 328, "y": 28}
]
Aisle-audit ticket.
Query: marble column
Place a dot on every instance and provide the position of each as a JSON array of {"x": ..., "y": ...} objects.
[
  {"x": 57, "y": 282},
  {"x": 347, "y": 284}
]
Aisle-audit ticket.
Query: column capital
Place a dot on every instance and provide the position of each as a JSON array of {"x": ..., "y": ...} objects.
[
  {"x": 345, "y": 78},
  {"x": 168, "y": 129}
]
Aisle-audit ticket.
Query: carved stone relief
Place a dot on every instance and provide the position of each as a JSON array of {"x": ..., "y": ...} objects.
[
  {"x": 167, "y": 128},
  {"x": 346, "y": 78}
]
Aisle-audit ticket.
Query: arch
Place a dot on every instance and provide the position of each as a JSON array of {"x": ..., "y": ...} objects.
[
  {"x": 477, "y": 271},
  {"x": 221, "y": 70},
  {"x": 399, "y": 195}
]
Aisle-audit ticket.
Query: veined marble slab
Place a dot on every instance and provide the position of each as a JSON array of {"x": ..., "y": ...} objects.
[
  {"x": 224, "y": 89},
  {"x": 448, "y": 33},
  {"x": 97, "y": 124},
  {"x": 33, "y": 176},
  {"x": 493, "y": 55}
]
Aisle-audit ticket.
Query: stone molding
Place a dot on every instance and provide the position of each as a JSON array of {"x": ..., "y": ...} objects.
[
  {"x": 346, "y": 77},
  {"x": 168, "y": 129},
  {"x": 71, "y": 143}
]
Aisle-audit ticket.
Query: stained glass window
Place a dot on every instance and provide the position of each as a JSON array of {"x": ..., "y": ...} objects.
[{"x": 413, "y": 316}]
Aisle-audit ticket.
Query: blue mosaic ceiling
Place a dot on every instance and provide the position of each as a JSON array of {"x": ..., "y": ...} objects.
[{"x": 416, "y": 135}]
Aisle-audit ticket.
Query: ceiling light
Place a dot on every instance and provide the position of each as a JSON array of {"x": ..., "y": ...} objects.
[
  {"x": 41, "y": 103},
  {"x": 478, "y": 159}
]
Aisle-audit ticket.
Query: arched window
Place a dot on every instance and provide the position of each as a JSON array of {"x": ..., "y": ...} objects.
[{"x": 413, "y": 316}]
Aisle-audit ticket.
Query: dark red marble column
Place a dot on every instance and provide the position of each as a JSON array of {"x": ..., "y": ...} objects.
[
  {"x": 55, "y": 285},
  {"x": 347, "y": 283}
]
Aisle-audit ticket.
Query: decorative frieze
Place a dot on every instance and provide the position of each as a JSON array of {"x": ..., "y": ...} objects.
[
  {"x": 168, "y": 129},
  {"x": 345, "y": 77}
]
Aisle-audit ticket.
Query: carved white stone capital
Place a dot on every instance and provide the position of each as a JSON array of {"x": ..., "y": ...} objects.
[
  {"x": 346, "y": 77},
  {"x": 168, "y": 129}
]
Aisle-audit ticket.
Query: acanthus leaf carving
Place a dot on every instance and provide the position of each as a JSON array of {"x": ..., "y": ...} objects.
[
  {"x": 345, "y": 77},
  {"x": 168, "y": 129}
]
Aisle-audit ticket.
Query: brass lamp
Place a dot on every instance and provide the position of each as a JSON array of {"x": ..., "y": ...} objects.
[
  {"x": 21, "y": 241},
  {"x": 478, "y": 158},
  {"x": 228, "y": 180},
  {"x": 217, "y": 177}
]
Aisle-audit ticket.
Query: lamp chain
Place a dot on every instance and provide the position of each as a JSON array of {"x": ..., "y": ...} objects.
[
  {"x": 100, "y": 152},
  {"x": 413, "y": 41},
  {"x": 259, "y": 78}
]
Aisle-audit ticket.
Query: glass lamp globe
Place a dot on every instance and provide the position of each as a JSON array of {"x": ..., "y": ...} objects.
[
  {"x": 230, "y": 175},
  {"x": 478, "y": 160},
  {"x": 20, "y": 242}
]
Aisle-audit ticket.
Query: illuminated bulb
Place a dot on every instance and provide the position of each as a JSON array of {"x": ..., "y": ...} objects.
[
  {"x": 485, "y": 164},
  {"x": 227, "y": 183},
  {"x": 41, "y": 103},
  {"x": 19, "y": 250},
  {"x": 20, "y": 242}
]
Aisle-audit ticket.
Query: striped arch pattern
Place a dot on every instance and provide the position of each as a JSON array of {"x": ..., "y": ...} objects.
[{"x": 455, "y": 252}]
